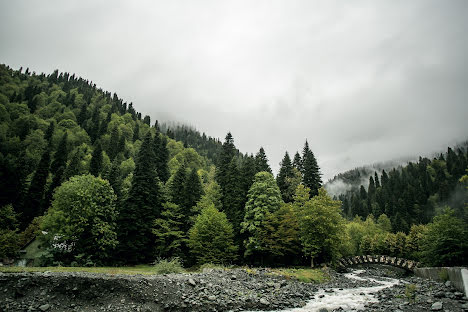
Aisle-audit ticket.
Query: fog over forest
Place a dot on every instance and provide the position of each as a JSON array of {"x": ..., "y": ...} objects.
[{"x": 363, "y": 82}]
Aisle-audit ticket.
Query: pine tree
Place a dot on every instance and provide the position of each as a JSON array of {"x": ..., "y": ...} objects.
[
  {"x": 162, "y": 156},
  {"x": 376, "y": 178},
  {"x": 170, "y": 238},
  {"x": 311, "y": 171},
  {"x": 114, "y": 143},
  {"x": 247, "y": 174},
  {"x": 285, "y": 172},
  {"x": 177, "y": 185},
  {"x": 74, "y": 167},
  {"x": 136, "y": 132},
  {"x": 57, "y": 167},
  {"x": 297, "y": 162},
  {"x": 142, "y": 207},
  {"x": 261, "y": 161},
  {"x": 228, "y": 178},
  {"x": 95, "y": 166},
  {"x": 33, "y": 205},
  {"x": 115, "y": 179},
  {"x": 193, "y": 190}
]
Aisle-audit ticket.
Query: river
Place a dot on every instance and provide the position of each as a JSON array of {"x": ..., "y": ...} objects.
[{"x": 350, "y": 299}]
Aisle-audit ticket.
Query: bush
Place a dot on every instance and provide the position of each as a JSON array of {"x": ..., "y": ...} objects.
[{"x": 167, "y": 266}]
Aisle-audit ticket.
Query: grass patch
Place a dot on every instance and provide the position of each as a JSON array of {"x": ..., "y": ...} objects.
[
  {"x": 305, "y": 275},
  {"x": 139, "y": 269}
]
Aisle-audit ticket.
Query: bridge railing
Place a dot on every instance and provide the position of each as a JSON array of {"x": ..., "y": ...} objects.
[{"x": 409, "y": 265}]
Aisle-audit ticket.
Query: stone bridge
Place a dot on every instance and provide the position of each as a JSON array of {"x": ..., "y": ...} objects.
[{"x": 408, "y": 265}]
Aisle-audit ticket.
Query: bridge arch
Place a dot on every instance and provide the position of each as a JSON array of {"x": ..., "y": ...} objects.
[{"x": 402, "y": 263}]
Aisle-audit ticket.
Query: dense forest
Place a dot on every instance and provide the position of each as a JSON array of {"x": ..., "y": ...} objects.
[
  {"x": 411, "y": 194},
  {"x": 98, "y": 183}
]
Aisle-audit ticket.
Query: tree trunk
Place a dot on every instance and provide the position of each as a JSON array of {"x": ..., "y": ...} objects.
[{"x": 311, "y": 261}]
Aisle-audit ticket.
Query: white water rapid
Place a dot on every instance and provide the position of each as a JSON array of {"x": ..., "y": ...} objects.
[{"x": 350, "y": 299}]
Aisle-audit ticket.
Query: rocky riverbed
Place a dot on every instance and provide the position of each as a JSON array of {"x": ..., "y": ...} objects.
[{"x": 212, "y": 290}]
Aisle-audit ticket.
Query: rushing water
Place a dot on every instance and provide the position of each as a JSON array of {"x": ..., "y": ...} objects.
[{"x": 350, "y": 299}]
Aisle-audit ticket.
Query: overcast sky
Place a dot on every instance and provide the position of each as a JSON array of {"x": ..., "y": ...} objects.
[{"x": 363, "y": 81}]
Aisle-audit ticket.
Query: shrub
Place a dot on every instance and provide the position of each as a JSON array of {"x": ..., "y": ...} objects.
[{"x": 167, "y": 266}]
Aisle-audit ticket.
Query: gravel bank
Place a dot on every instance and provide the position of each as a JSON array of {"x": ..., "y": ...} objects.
[{"x": 215, "y": 290}]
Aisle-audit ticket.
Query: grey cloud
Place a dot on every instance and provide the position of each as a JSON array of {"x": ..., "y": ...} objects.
[{"x": 365, "y": 81}]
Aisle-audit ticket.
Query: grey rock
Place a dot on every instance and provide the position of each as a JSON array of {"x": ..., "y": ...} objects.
[
  {"x": 448, "y": 284},
  {"x": 264, "y": 301},
  {"x": 192, "y": 282},
  {"x": 436, "y": 306},
  {"x": 44, "y": 307}
]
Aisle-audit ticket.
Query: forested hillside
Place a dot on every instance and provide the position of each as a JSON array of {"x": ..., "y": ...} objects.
[
  {"x": 413, "y": 194},
  {"x": 97, "y": 183}
]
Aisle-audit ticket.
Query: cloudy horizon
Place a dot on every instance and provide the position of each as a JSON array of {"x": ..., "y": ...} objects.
[{"x": 364, "y": 82}]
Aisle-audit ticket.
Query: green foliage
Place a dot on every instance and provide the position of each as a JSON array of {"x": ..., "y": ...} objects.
[
  {"x": 321, "y": 227},
  {"x": 410, "y": 292},
  {"x": 168, "y": 266},
  {"x": 261, "y": 161},
  {"x": 280, "y": 234},
  {"x": 9, "y": 238},
  {"x": 95, "y": 166},
  {"x": 445, "y": 241},
  {"x": 170, "y": 238},
  {"x": 211, "y": 237},
  {"x": 310, "y": 170},
  {"x": 141, "y": 208},
  {"x": 285, "y": 172},
  {"x": 264, "y": 197},
  {"x": 83, "y": 215}
]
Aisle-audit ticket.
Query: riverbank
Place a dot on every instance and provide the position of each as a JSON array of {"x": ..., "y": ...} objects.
[{"x": 212, "y": 290}]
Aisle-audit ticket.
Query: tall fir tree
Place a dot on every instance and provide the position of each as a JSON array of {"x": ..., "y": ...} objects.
[
  {"x": 95, "y": 166},
  {"x": 34, "y": 202},
  {"x": 177, "y": 184},
  {"x": 162, "y": 156},
  {"x": 297, "y": 162},
  {"x": 285, "y": 172},
  {"x": 113, "y": 149},
  {"x": 57, "y": 167},
  {"x": 193, "y": 190},
  {"x": 228, "y": 178},
  {"x": 311, "y": 171},
  {"x": 142, "y": 207},
  {"x": 261, "y": 161}
]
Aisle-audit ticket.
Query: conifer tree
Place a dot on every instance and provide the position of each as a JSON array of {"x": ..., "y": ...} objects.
[
  {"x": 162, "y": 156},
  {"x": 311, "y": 171},
  {"x": 136, "y": 132},
  {"x": 57, "y": 167},
  {"x": 142, "y": 207},
  {"x": 170, "y": 237},
  {"x": 95, "y": 166},
  {"x": 74, "y": 167},
  {"x": 284, "y": 173},
  {"x": 261, "y": 161},
  {"x": 248, "y": 172},
  {"x": 34, "y": 202},
  {"x": 376, "y": 178},
  {"x": 228, "y": 178},
  {"x": 193, "y": 190},
  {"x": 114, "y": 143},
  {"x": 177, "y": 186},
  {"x": 297, "y": 162},
  {"x": 83, "y": 116}
]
